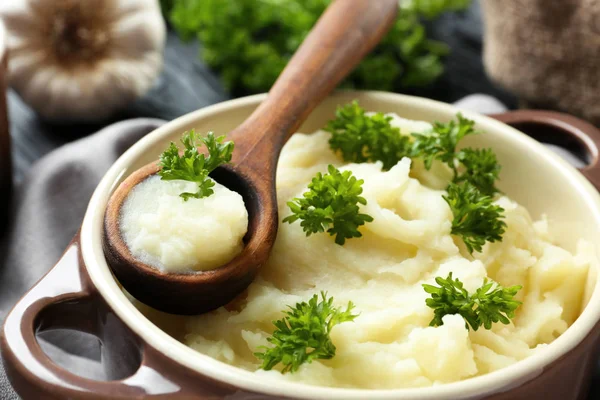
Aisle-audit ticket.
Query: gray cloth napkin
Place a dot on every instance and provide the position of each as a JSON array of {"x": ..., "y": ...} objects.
[{"x": 47, "y": 210}]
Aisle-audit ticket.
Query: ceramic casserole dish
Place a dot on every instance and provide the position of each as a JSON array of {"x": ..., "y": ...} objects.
[{"x": 80, "y": 292}]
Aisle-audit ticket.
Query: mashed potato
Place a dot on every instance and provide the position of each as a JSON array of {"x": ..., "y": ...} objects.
[
  {"x": 173, "y": 235},
  {"x": 390, "y": 344}
]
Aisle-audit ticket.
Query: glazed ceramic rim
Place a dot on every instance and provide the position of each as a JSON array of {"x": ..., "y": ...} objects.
[{"x": 494, "y": 382}]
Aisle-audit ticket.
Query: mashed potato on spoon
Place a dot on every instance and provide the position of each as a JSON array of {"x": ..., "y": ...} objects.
[{"x": 172, "y": 235}]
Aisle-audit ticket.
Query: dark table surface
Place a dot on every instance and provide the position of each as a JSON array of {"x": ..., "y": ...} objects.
[{"x": 186, "y": 84}]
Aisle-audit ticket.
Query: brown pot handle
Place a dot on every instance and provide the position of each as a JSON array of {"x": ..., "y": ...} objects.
[
  {"x": 66, "y": 298},
  {"x": 563, "y": 130}
]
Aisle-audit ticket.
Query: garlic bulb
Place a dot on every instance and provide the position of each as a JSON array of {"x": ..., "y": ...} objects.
[{"x": 82, "y": 59}]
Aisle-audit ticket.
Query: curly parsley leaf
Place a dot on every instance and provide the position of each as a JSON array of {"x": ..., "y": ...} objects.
[
  {"x": 440, "y": 143},
  {"x": 361, "y": 138},
  {"x": 331, "y": 204},
  {"x": 476, "y": 218},
  {"x": 303, "y": 334},
  {"x": 491, "y": 302},
  {"x": 481, "y": 169},
  {"x": 193, "y": 166}
]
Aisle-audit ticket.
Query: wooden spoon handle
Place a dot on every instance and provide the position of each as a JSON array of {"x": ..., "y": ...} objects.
[{"x": 344, "y": 34}]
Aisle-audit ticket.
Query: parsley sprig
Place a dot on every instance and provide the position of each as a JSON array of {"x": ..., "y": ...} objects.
[
  {"x": 481, "y": 169},
  {"x": 331, "y": 204},
  {"x": 476, "y": 218},
  {"x": 440, "y": 144},
  {"x": 193, "y": 166},
  {"x": 303, "y": 334},
  {"x": 361, "y": 138},
  {"x": 478, "y": 167},
  {"x": 489, "y": 304}
]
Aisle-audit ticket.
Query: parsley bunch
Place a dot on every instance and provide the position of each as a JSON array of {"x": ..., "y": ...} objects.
[
  {"x": 491, "y": 303},
  {"x": 476, "y": 218},
  {"x": 249, "y": 42},
  {"x": 303, "y": 334},
  {"x": 332, "y": 204},
  {"x": 360, "y": 138},
  {"x": 193, "y": 166}
]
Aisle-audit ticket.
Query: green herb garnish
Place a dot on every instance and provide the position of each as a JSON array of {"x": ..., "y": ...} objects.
[
  {"x": 476, "y": 166},
  {"x": 481, "y": 169},
  {"x": 303, "y": 334},
  {"x": 194, "y": 166},
  {"x": 360, "y": 138},
  {"x": 331, "y": 204},
  {"x": 476, "y": 218},
  {"x": 440, "y": 144},
  {"x": 491, "y": 303}
]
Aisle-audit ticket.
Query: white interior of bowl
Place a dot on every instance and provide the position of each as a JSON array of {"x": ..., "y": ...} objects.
[{"x": 531, "y": 175}]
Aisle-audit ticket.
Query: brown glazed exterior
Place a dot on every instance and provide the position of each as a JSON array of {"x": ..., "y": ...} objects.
[
  {"x": 344, "y": 34},
  {"x": 66, "y": 298}
]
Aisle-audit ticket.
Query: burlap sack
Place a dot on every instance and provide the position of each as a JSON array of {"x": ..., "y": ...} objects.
[{"x": 546, "y": 52}]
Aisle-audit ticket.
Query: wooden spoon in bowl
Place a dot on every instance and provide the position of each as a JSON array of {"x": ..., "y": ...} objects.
[{"x": 344, "y": 34}]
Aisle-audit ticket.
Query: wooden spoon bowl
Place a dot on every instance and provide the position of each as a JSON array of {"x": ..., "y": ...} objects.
[
  {"x": 344, "y": 34},
  {"x": 193, "y": 293}
]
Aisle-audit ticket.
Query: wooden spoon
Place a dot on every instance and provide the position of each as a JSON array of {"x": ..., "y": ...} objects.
[{"x": 344, "y": 34}]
